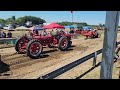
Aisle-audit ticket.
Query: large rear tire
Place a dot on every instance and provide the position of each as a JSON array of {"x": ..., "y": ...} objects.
[
  {"x": 34, "y": 49},
  {"x": 19, "y": 44},
  {"x": 63, "y": 44}
]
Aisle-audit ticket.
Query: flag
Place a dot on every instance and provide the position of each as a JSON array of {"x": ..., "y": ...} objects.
[{"x": 71, "y": 11}]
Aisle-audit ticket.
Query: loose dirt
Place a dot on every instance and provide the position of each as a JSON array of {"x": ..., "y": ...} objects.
[{"x": 22, "y": 67}]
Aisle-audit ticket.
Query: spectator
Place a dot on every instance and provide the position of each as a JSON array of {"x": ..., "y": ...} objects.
[
  {"x": 44, "y": 32},
  {"x": 116, "y": 55},
  {"x": 71, "y": 31},
  {"x": 9, "y": 35},
  {"x": 3, "y": 34},
  {"x": 36, "y": 31},
  {"x": 52, "y": 33},
  {"x": 62, "y": 32},
  {"x": 57, "y": 34}
]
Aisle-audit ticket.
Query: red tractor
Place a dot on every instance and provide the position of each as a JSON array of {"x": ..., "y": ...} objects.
[
  {"x": 34, "y": 46},
  {"x": 88, "y": 33}
]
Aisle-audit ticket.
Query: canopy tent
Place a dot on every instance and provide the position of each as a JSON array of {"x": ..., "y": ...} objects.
[
  {"x": 87, "y": 28},
  {"x": 53, "y": 26},
  {"x": 35, "y": 28},
  {"x": 21, "y": 28}
]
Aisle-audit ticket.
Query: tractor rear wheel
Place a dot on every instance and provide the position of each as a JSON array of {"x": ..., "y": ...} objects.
[
  {"x": 63, "y": 44},
  {"x": 19, "y": 44},
  {"x": 34, "y": 49}
]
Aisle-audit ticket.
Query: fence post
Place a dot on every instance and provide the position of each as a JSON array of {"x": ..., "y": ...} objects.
[
  {"x": 110, "y": 35},
  {"x": 94, "y": 59}
]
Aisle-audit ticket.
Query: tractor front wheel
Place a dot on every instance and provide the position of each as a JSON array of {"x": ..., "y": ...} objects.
[
  {"x": 34, "y": 49},
  {"x": 63, "y": 44}
]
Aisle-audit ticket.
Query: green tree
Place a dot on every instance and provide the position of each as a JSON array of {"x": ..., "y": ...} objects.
[
  {"x": 35, "y": 20},
  {"x": 100, "y": 25},
  {"x": 2, "y": 21},
  {"x": 65, "y": 23},
  {"x": 8, "y": 21},
  {"x": 13, "y": 18},
  {"x": 71, "y": 23}
]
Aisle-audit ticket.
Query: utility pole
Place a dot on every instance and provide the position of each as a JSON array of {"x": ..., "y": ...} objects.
[
  {"x": 110, "y": 35},
  {"x": 72, "y": 16}
]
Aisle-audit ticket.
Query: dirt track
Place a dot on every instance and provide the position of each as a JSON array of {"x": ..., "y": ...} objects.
[{"x": 22, "y": 67}]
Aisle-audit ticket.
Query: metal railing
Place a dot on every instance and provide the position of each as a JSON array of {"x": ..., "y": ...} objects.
[
  {"x": 69, "y": 66},
  {"x": 6, "y": 41}
]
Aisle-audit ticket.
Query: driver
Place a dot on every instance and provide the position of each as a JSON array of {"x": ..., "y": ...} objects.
[
  {"x": 52, "y": 33},
  {"x": 44, "y": 33},
  {"x": 57, "y": 34},
  {"x": 35, "y": 32},
  {"x": 62, "y": 32}
]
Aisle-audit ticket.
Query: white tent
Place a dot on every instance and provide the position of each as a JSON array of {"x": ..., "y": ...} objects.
[{"x": 21, "y": 28}]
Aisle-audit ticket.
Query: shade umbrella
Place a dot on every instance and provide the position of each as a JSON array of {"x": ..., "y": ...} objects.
[
  {"x": 87, "y": 28},
  {"x": 53, "y": 26}
]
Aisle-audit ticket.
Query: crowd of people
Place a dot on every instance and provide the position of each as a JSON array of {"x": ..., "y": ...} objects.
[
  {"x": 4, "y": 35},
  {"x": 52, "y": 32}
]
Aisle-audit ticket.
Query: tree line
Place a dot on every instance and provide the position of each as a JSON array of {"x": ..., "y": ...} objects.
[
  {"x": 65, "y": 23},
  {"x": 38, "y": 20},
  {"x": 22, "y": 20}
]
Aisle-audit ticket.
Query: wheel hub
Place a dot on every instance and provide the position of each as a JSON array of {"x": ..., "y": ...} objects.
[{"x": 35, "y": 48}]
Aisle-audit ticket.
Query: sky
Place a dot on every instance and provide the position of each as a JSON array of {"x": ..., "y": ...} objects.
[{"x": 90, "y": 17}]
